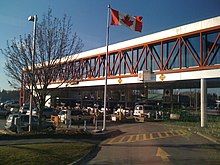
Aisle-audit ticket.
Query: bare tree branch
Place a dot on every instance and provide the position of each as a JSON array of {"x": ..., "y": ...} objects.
[{"x": 55, "y": 42}]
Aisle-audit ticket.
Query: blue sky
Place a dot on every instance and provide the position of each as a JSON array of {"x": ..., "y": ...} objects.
[{"x": 89, "y": 18}]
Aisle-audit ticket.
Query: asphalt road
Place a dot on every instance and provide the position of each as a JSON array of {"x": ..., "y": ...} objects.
[{"x": 154, "y": 143}]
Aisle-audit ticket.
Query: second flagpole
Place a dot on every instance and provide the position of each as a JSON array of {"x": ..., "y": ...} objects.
[{"x": 106, "y": 70}]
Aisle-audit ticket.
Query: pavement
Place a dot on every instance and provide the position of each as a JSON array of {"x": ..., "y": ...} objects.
[
  {"x": 154, "y": 143},
  {"x": 127, "y": 139}
]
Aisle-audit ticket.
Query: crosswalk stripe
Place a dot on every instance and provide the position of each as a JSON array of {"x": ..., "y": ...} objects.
[
  {"x": 160, "y": 135},
  {"x": 181, "y": 132},
  {"x": 130, "y": 138},
  {"x": 110, "y": 141},
  {"x": 175, "y": 133},
  {"x": 166, "y": 134},
  {"x": 115, "y": 140},
  {"x": 170, "y": 133},
  {"x": 141, "y": 137},
  {"x": 146, "y": 136},
  {"x": 134, "y": 138},
  {"x": 123, "y": 139}
]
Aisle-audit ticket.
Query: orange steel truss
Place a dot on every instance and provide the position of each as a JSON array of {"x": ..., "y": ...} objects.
[
  {"x": 198, "y": 50},
  {"x": 193, "y": 51}
]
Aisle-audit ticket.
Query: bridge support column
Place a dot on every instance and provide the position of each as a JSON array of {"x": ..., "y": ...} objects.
[
  {"x": 146, "y": 91},
  {"x": 203, "y": 100}
]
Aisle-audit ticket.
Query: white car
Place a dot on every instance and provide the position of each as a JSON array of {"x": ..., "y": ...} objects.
[
  {"x": 144, "y": 110},
  {"x": 62, "y": 116},
  {"x": 34, "y": 112},
  {"x": 148, "y": 111},
  {"x": 123, "y": 111}
]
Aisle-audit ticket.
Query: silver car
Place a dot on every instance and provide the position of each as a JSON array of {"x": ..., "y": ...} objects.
[{"x": 24, "y": 123}]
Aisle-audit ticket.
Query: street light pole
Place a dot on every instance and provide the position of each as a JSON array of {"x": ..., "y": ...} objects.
[{"x": 33, "y": 19}]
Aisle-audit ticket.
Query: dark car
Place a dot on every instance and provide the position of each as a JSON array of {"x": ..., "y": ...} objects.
[
  {"x": 23, "y": 109},
  {"x": 24, "y": 119},
  {"x": 11, "y": 104},
  {"x": 48, "y": 112},
  {"x": 4, "y": 112}
]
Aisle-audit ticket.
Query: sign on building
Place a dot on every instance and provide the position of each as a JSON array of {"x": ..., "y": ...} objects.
[{"x": 146, "y": 76}]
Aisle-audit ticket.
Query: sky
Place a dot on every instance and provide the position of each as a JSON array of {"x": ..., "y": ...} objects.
[{"x": 89, "y": 19}]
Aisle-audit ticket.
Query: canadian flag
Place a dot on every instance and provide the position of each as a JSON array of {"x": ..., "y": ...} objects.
[{"x": 133, "y": 22}]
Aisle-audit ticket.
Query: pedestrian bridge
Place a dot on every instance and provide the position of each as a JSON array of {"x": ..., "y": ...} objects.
[
  {"x": 177, "y": 55},
  {"x": 183, "y": 53}
]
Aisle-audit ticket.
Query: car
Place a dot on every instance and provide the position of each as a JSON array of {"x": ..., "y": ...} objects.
[
  {"x": 23, "y": 109},
  {"x": 34, "y": 112},
  {"x": 24, "y": 123},
  {"x": 125, "y": 111},
  {"x": 4, "y": 112},
  {"x": 147, "y": 111},
  {"x": 76, "y": 116},
  {"x": 11, "y": 104},
  {"x": 47, "y": 112}
]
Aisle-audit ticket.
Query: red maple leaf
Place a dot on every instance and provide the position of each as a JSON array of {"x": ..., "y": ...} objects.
[{"x": 127, "y": 20}]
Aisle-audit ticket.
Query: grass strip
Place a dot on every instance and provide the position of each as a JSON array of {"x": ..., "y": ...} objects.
[{"x": 48, "y": 153}]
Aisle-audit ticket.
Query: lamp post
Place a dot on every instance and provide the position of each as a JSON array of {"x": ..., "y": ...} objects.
[{"x": 32, "y": 19}]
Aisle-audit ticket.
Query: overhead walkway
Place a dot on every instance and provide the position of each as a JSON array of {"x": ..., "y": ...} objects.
[{"x": 187, "y": 56}]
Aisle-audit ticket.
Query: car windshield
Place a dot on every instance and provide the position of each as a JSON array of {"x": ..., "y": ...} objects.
[
  {"x": 75, "y": 112},
  {"x": 61, "y": 112},
  {"x": 150, "y": 108}
]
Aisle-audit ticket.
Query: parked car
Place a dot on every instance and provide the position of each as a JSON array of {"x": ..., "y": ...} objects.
[
  {"x": 76, "y": 116},
  {"x": 10, "y": 123},
  {"x": 4, "y": 112},
  {"x": 11, "y": 104},
  {"x": 34, "y": 112},
  {"x": 23, "y": 109},
  {"x": 47, "y": 112},
  {"x": 147, "y": 111},
  {"x": 125, "y": 111}
]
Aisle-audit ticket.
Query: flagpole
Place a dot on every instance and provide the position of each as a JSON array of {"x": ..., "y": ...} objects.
[{"x": 106, "y": 70}]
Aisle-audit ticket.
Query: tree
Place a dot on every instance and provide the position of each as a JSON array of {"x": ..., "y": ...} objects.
[{"x": 55, "y": 42}]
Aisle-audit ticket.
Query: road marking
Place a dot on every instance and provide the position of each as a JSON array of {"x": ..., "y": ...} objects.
[
  {"x": 175, "y": 133},
  {"x": 160, "y": 135},
  {"x": 141, "y": 137},
  {"x": 163, "y": 154},
  {"x": 123, "y": 139},
  {"x": 134, "y": 138},
  {"x": 115, "y": 140},
  {"x": 130, "y": 138},
  {"x": 146, "y": 136},
  {"x": 169, "y": 133}
]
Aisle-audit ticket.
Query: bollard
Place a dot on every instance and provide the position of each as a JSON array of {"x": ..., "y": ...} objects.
[
  {"x": 85, "y": 128},
  {"x": 96, "y": 124}
]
